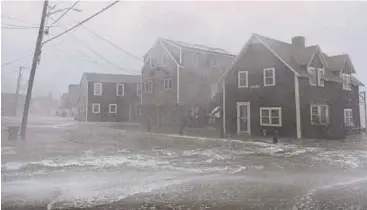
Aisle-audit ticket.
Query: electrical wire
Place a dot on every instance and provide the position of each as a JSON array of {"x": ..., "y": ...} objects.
[
  {"x": 82, "y": 22},
  {"x": 16, "y": 60},
  {"x": 17, "y": 19},
  {"x": 112, "y": 44},
  {"x": 63, "y": 14}
]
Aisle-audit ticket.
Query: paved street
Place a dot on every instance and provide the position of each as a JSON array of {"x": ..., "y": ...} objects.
[{"x": 65, "y": 164}]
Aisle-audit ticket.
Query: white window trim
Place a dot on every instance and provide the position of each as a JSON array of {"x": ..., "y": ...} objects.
[
  {"x": 270, "y": 109},
  {"x": 319, "y": 113},
  {"x": 196, "y": 61},
  {"x": 138, "y": 90},
  {"x": 345, "y": 87},
  {"x": 351, "y": 123},
  {"x": 99, "y": 108},
  {"x": 309, "y": 71},
  {"x": 147, "y": 86},
  {"x": 164, "y": 58},
  {"x": 117, "y": 89},
  {"x": 110, "y": 106},
  {"x": 151, "y": 63},
  {"x": 321, "y": 77},
  {"x": 239, "y": 79},
  {"x": 165, "y": 81},
  {"x": 273, "y": 75},
  {"x": 95, "y": 88}
]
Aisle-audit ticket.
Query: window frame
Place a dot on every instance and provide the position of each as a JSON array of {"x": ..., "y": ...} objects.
[
  {"x": 319, "y": 108},
  {"x": 95, "y": 87},
  {"x": 109, "y": 108},
  {"x": 151, "y": 63},
  {"x": 164, "y": 60},
  {"x": 138, "y": 90},
  {"x": 347, "y": 86},
  {"x": 269, "y": 109},
  {"x": 239, "y": 73},
  {"x": 273, "y": 76},
  {"x": 146, "y": 86},
  {"x": 196, "y": 60},
  {"x": 123, "y": 89},
  {"x": 351, "y": 123},
  {"x": 96, "y": 105},
  {"x": 315, "y": 72},
  {"x": 319, "y": 78},
  {"x": 169, "y": 81}
]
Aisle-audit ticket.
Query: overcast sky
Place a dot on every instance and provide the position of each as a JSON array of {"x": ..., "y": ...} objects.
[{"x": 134, "y": 26}]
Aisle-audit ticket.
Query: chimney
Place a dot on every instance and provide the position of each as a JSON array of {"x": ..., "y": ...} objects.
[{"x": 299, "y": 42}]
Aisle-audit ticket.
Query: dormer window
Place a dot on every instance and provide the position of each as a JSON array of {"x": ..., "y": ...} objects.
[
  {"x": 196, "y": 60},
  {"x": 313, "y": 77},
  {"x": 164, "y": 60},
  {"x": 346, "y": 82},
  {"x": 152, "y": 62},
  {"x": 321, "y": 77}
]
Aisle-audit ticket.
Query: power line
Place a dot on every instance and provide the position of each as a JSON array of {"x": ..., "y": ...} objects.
[
  {"x": 101, "y": 56},
  {"x": 112, "y": 44},
  {"x": 77, "y": 25},
  {"x": 16, "y": 60},
  {"x": 20, "y": 26},
  {"x": 20, "y": 20},
  {"x": 63, "y": 14}
]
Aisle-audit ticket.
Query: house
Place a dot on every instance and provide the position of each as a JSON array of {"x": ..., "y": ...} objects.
[
  {"x": 180, "y": 77},
  {"x": 109, "y": 97},
  {"x": 44, "y": 106},
  {"x": 293, "y": 89},
  {"x": 11, "y": 105},
  {"x": 69, "y": 100}
]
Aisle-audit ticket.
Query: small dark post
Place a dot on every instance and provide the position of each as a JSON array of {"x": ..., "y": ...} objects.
[
  {"x": 221, "y": 116},
  {"x": 275, "y": 137}
]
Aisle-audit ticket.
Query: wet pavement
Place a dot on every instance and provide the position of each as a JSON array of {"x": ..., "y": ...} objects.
[{"x": 65, "y": 164}]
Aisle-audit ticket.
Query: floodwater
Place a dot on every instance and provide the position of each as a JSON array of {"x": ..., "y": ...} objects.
[{"x": 66, "y": 164}]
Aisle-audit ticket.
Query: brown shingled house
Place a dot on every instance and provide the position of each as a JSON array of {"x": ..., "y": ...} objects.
[{"x": 293, "y": 89}]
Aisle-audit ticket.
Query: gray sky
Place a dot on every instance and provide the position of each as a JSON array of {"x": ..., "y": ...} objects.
[{"x": 134, "y": 26}]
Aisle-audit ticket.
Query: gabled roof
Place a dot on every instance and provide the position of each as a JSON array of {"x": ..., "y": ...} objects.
[
  {"x": 295, "y": 58},
  {"x": 337, "y": 62},
  {"x": 197, "y": 47},
  {"x": 112, "y": 78}
]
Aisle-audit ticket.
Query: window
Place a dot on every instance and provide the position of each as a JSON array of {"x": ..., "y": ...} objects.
[
  {"x": 96, "y": 108},
  {"x": 196, "y": 60},
  {"x": 148, "y": 86},
  {"x": 120, "y": 90},
  {"x": 164, "y": 60},
  {"x": 271, "y": 116},
  {"x": 320, "y": 77},
  {"x": 348, "y": 118},
  {"x": 97, "y": 89},
  {"x": 242, "y": 79},
  {"x": 112, "y": 108},
  {"x": 152, "y": 62},
  {"x": 168, "y": 84},
  {"x": 346, "y": 82},
  {"x": 319, "y": 114},
  {"x": 138, "y": 90},
  {"x": 312, "y": 72},
  {"x": 269, "y": 77}
]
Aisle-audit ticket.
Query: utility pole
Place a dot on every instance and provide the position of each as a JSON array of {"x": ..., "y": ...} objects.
[
  {"x": 36, "y": 57},
  {"x": 17, "y": 90}
]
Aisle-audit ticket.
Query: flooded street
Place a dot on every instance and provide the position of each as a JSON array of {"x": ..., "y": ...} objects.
[{"x": 69, "y": 165}]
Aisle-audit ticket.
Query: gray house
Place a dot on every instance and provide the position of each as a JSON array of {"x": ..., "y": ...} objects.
[
  {"x": 180, "y": 77},
  {"x": 291, "y": 88},
  {"x": 109, "y": 97}
]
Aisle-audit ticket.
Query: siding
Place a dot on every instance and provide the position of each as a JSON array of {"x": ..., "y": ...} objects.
[
  {"x": 157, "y": 75},
  {"x": 255, "y": 59},
  {"x": 109, "y": 97}
]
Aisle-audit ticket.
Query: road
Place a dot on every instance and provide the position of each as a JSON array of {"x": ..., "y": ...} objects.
[{"x": 65, "y": 164}]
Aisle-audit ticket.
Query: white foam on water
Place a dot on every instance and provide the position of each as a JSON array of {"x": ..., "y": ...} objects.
[
  {"x": 8, "y": 151},
  {"x": 239, "y": 169},
  {"x": 351, "y": 159},
  {"x": 11, "y": 166}
]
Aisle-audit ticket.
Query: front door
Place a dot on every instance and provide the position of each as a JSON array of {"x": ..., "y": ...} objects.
[{"x": 243, "y": 117}]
